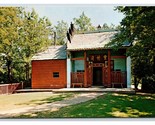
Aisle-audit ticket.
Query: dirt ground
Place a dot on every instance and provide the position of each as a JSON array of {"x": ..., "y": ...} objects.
[{"x": 19, "y": 100}]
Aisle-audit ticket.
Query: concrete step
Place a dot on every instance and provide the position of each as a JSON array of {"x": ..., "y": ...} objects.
[{"x": 113, "y": 90}]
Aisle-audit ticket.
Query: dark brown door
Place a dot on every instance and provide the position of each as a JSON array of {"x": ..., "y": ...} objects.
[{"x": 97, "y": 76}]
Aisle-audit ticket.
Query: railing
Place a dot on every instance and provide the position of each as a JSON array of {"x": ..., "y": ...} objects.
[
  {"x": 118, "y": 77},
  {"x": 77, "y": 77},
  {"x": 10, "y": 88}
]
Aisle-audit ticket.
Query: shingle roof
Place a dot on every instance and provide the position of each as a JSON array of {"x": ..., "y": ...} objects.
[
  {"x": 90, "y": 41},
  {"x": 53, "y": 52}
]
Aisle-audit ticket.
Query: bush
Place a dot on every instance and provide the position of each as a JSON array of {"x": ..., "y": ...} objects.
[{"x": 148, "y": 84}]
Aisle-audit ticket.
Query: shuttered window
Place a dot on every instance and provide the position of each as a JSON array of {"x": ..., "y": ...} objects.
[{"x": 55, "y": 74}]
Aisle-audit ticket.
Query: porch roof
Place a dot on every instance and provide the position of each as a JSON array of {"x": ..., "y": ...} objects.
[
  {"x": 90, "y": 41},
  {"x": 53, "y": 52}
]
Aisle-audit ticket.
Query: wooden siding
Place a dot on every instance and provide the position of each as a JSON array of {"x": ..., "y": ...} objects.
[
  {"x": 77, "y": 77},
  {"x": 118, "y": 77},
  {"x": 42, "y": 74}
]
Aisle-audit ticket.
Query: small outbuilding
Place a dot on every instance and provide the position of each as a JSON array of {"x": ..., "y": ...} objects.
[{"x": 49, "y": 68}]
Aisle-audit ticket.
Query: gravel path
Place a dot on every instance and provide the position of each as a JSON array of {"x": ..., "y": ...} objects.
[{"x": 83, "y": 97}]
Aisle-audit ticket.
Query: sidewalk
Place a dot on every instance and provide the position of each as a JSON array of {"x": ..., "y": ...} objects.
[{"x": 83, "y": 97}]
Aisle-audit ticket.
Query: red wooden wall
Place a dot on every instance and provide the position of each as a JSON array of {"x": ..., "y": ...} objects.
[{"x": 42, "y": 74}]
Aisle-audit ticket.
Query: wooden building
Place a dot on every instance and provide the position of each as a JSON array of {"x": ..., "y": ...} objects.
[
  {"x": 86, "y": 62},
  {"x": 49, "y": 68}
]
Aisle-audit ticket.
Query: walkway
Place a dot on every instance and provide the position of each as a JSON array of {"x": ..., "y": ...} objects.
[
  {"x": 96, "y": 89},
  {"x": 50, "y": 106}
]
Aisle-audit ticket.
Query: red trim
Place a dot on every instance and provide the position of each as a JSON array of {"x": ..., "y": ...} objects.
[
  {"x": 85, "y": 67},
  {"x": 77, "y": 58},
  {"x": 118, "y": 56}
]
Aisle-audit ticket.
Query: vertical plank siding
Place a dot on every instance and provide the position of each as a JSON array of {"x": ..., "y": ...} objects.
[
  {"x": 118, "y": 77},
  {"x": 42, "y": 74},
  {"x": 77, "y": 77}
]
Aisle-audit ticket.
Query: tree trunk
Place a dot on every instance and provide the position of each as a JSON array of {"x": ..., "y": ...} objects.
[
  {"x": 135, "y": 82},
  {"x": 9, "y": 79},
  {"x": 27, "y": 71}
]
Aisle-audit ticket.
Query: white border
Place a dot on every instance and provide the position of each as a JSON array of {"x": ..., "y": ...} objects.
[{"x": 122, "y": 2}]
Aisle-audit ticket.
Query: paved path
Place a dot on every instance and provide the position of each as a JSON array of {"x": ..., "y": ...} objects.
[{"x": 50, "y": 106}]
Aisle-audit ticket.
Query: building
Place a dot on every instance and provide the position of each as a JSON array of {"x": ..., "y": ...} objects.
[
  {"x": 83, "y": 62},
  {"x": 49, "y": 68}
]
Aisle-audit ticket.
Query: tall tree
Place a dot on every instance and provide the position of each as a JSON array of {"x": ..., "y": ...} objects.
[
  {"x": 83, "y": 23},
  {"x": 61, "y": 29},
  {"x": 138, "y": 28},
  {"x": 34, "y": 36},
  {"x": 10, "y": 24},
  {"x": 22, "y": 34}
]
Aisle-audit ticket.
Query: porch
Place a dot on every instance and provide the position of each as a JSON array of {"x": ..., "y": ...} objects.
[{"x": 118, "y": 79}]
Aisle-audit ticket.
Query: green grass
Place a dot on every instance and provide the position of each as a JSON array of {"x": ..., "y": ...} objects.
[{"x": 105, "y": 106}]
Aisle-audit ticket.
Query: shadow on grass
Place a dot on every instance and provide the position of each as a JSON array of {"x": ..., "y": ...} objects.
[
  {"x": 51, "y": 99},
  {"x": 105, "y": 106}
]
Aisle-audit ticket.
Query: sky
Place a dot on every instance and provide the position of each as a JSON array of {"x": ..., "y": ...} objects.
[{"x": 99, "y": 14}]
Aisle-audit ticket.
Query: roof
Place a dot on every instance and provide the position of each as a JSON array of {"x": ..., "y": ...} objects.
[
  {"x": 53, "y": 52},
  {"x": 90, "y": 40}
]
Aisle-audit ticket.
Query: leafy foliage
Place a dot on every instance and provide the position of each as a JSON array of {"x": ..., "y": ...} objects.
[
  {"x": 138, "y": 27},
  {"x": 10, "y": 24},
  {"x": 83, "y": 23},
  {"x": 61, "y": 29},
  {"x": 22, "y": 34}
]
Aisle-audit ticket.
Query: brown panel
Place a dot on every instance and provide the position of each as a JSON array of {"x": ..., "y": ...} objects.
[
  {"x": 85, "y": 67},
  {"x": 109, "y": 68},
  {"x": 89, "y": 75},
  {"x": 42, "y": 74}
]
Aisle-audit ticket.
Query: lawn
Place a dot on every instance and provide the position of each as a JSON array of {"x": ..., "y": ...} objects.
[{"x": 105, "y": 106}]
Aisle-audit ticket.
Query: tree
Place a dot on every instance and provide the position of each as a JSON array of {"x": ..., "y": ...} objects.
[
  {"x": 22, "y": 34},
  {"x": 138, "y": 28},
  {"x": 10, "y": 24},
  {"x": 83, "y": 23},
  {"x": 105, "y": 26},
  {"x": 109, "y": 27},
  {"x": 34, "y": 37},
  {"x": 61, "y": 29}
]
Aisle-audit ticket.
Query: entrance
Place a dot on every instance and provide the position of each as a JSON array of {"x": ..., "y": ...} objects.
[{"x": 97, "y": 76}]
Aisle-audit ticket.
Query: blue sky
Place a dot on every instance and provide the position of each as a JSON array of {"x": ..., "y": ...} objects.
[{"x": 99, "y": 14}]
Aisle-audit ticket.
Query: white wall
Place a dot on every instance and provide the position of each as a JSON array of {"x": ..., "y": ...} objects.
[
  {"x": 128, "y": 65},
  {"x": 68, "y": 73}
]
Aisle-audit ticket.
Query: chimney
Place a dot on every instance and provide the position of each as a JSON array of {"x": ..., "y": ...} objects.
[
  {"x": 98, "y": 27},
  {"x": 55, "y": 38},
  {"x": 70, "y": 32},
  {"x": 72, "y": 28},
  {"x": 68, "y": 37}
]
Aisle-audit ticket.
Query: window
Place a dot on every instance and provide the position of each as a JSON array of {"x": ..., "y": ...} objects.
[
  {"x": 55, "y": 74},
  {"x": 80, "y": 70}
]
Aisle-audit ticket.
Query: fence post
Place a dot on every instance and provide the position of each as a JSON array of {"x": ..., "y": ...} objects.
[
  {"x": 7, "y": 89},
  {"x": 22, "y": 85}
]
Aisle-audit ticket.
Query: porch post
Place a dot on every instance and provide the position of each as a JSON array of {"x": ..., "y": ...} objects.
[
  {"x": 128, "y": 65},
  {"x": 85, "y": 69},
  {"x": 68, "y": 70},
  {"x": 109, "y": 68}
]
